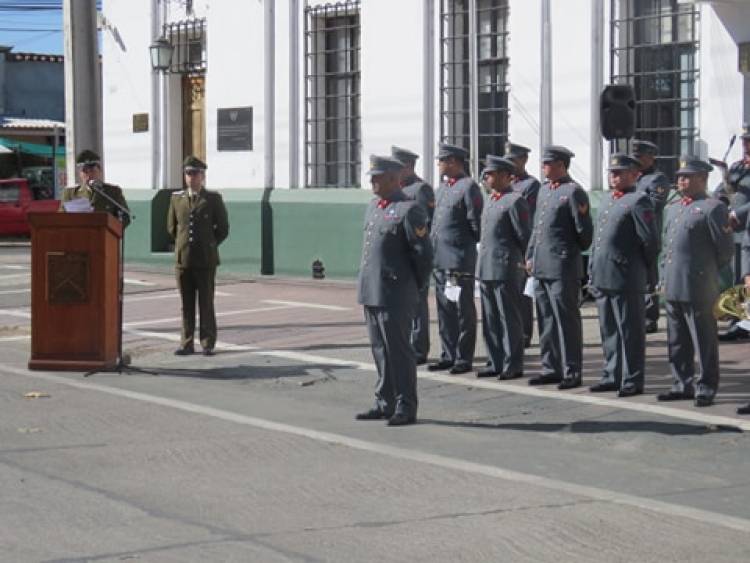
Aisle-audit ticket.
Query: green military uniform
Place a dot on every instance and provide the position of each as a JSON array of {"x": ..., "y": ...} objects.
[
  {"x": 98, "y": 201},
  {"x": 198, "y": 224}
]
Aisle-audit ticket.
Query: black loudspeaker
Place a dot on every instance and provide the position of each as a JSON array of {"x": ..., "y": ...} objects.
[{"x": 617, "y": 107}]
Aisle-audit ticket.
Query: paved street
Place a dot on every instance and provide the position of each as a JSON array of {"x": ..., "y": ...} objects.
[{"x": 254, "y": 455}]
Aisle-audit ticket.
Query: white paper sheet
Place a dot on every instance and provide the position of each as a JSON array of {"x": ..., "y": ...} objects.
[
  {"x": 78, "y": 205},
  {"x": 528, "y": 290}
]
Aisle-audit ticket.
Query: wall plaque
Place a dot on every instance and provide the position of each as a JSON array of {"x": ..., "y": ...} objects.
[
  {"x": 67, "y": 278},
  {"x": 140, "y": 122},
  {"x": 235, "y": 129}
]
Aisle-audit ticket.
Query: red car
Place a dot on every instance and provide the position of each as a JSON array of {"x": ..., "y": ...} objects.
[{"x": 16, "y": 202}]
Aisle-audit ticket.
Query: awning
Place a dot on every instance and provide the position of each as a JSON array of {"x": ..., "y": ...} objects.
[{"x": 31, "y": 148}]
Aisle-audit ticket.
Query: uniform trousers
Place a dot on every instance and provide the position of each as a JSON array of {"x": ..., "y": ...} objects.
[
  {"x": 396, "y": 389},
  {"x": 692, "y": 328},
  {"x": 420, "y": 326},
  {"x": 560, "y": 328},
  {"x": 502, "y": 325},
  {"x": 622, "y": 327},
  {"x": 457, "y": 322},
  {"x": 192, "y": 283}
]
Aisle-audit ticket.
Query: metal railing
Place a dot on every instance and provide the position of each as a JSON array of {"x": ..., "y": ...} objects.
[{"x": 188, "y": 38}]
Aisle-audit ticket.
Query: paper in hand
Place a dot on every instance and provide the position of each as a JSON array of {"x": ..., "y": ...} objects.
[
  {"x": 78, "y": 205},
  {"x": 452, "y": 292},
  {"x": 528, "y": 290}
]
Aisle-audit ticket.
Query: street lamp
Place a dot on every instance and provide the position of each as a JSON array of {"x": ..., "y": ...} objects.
[
  {"x": 161, "y": 60},
  {"x": 161, "y": 54}
]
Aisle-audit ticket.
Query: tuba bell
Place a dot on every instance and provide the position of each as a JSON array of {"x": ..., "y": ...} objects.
[{"x": 733, "y": 303}]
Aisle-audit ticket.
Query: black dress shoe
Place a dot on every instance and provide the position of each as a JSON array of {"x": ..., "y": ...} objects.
[
  {"x": 527, "y": 342},
  {"x": 184, "y": 351},
  {"x": 440, "y": 366},
  {"x": 545, "y": 379},
  {"x": 208, "y": 352},
  {"x": 686, "y": 395},
  {"x": 373, "y": 414},
  {"x": 630, "y": 392},
  {"x": 604, "y": 387},
  {"x": 652, "y": 327},
  {"x": 703, "y": 401},
  {"x": 569, "y": 383},
  {"x": 400, "y": 419},
  {"x": 508, "y": 376},
  {"x": 421, "y": 361},
  {"x": 734, "y": 333},
  {"x": 487, "y": 372},
  {"x": 458, "y": 369},
  {"x": 744, "y": 409}
]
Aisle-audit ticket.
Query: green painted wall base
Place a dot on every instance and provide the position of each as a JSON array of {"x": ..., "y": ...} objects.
[{"x": 281, "y": 234}]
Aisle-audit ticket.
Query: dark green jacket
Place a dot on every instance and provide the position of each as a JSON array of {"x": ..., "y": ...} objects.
[
  {"x": 197, "y": 228},
  {"x": 98, "y": 202}
]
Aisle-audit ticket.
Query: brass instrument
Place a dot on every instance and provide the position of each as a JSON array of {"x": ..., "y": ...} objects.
[{"x": 733, "y": 303}]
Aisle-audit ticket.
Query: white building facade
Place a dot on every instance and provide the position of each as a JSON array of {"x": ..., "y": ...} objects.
[{"x": 296, "y": 94}]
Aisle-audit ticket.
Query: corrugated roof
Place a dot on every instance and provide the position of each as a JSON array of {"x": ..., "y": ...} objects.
[{"x": 28, "y": 123}]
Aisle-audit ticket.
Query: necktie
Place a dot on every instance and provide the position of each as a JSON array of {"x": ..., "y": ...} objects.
[
  {"x": 617, "y": 194},
  {"x": 452, "y": 182},
  {"x": 687, "y": 200},
  {"x": 383, "y": 203},
  {"x": 497, "y": 195}
]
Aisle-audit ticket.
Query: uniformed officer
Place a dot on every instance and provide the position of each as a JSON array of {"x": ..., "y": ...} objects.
[
  {"x": 501, "y": 269},
  {"x": 528, "y": 186},
  {"x": 197, "y": 222},
  {"x": 562, "y": 231},
  {"x": 455, "y": 233},
  {"x": 396, "y": 265},
  {"x": 626, "y": 245},
  {"x": 737, "y": 190},
  {"x": 698, "y": 242},
  {"x": 656, "y": 186},
  {"x": 102, "y": 196},
  {"x": 420, "y": 191}
]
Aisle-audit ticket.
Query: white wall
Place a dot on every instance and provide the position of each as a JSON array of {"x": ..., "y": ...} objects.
[{"x": 127, "y": 90}]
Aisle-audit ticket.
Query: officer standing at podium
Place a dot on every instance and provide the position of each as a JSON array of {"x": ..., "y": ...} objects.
[
  {"x": 197, "y": 222},
  {"x": 89, "y": 167}
]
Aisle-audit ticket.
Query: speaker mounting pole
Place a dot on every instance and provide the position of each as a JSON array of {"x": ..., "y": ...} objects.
[{"x": 597, "y": 84}]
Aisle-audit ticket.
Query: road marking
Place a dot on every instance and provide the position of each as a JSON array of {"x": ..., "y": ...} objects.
[
  {"x": 14, "y": 291},
  {"x": 171, "y": 294},
  {"x": 14, "y": 338},
  {"x": 670, "y": 412},
  {"x": 131, "y": 281},
  {"x": 222, "y": 314},
  {"x": 442, "y": 461},
  {"x": 307, "y": 305}
]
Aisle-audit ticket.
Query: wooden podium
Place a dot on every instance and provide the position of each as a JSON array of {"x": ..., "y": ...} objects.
[{"x": 75, "y": 279}]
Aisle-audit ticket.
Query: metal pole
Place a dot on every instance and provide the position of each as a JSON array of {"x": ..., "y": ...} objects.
[
  {"x": 83, "y": 102},
  {"x": 269, "y": 102},
  {"x": 545, "y": 117},
  {"x": 294, "y": 99},
  {"x": 597, "y": 84},
  {"x": 428, "y": 100},
  {"x": 473, "y": 89},
  {"x": 55, "y": 182}
]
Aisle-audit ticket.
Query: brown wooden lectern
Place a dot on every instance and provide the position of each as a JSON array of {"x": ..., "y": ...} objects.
[{"x": 74, "y": 291}]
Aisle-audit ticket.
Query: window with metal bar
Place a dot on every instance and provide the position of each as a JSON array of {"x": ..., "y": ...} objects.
[
  {"x": 654, "y": 47},
  {"x": 332, "y": 95},
  {"x": 491, "y": 44},
  {"x": 188, "y": 38}
]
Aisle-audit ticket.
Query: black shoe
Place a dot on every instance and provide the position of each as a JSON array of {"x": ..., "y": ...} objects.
[
  {"x": 570, "y": 382},
  {"x": 545, "y": 379},
  {"x": 744, "y": 409},
  {"x": 400, "y": 419},
  {"x": 440, "y": 366},
  {"x": 527, "y": 342},
  {"x": 509, "y": 376},
  {"x": 686, "y": 395},
  {"x": 209, "y": 352},
  {"x": 372, "y": 414},
  {"x": 184, "y": 351},
  {"x": 734, "y": 333},
  {"x": 458, "y": 369},
  {"x": 488, "y": 372},
  {"x": 630, "y": 391},
  {"x": 604, "y": 387},
  {"x": 421, "y": 361},
  {"x": 703, "y": 401},
  {"x": 652, "y": 327}
]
